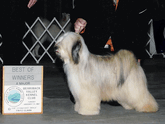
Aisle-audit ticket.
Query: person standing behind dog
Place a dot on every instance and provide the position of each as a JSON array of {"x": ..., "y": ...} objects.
[
  {"x": 126, "y": 23},
  {"x": 12, "y": 26},
  {"x": 97, "y": 18},
  {"x": 132, "y": 26}
]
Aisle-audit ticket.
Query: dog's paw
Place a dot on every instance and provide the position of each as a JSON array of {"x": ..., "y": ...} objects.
[
  {"x": 88, "y": 112},
  {"x": 148, "y": 108}
]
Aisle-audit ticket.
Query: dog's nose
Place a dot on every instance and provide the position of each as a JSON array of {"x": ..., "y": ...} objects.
[{"x": 55, "y": 47}]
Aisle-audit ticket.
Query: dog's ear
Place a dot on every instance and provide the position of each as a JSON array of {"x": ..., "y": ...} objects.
[{"x": 75, "y": 52}]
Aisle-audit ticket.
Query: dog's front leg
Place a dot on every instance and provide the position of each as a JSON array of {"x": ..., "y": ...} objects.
[
  {"x": 89, "y": 103},
  {"x": 77, "y": 106}
]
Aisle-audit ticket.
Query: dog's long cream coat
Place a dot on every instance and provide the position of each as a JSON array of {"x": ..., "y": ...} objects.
[{"x": 93, "y": 78}]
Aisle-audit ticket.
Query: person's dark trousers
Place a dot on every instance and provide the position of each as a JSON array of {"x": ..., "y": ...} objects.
[{"x": 12, "y": 27}]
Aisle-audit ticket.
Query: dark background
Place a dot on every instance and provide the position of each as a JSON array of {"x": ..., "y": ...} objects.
[{"x": 48, "y": 9}]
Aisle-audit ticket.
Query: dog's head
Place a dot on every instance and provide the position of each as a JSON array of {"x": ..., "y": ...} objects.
[{"x": 69, "y": 47}]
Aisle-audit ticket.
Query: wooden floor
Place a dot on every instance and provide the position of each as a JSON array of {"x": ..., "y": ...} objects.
[{"x": 55, "y": 85}]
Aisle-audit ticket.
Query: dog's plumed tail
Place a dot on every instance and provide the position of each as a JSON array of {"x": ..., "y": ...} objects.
[{"x": 125, "y": 61}]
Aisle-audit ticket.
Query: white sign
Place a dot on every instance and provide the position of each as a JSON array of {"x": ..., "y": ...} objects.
[{"x": 22, "y": 90}]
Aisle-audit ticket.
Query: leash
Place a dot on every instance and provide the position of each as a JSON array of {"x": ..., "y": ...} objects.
[{"x": 115, "y": 3}]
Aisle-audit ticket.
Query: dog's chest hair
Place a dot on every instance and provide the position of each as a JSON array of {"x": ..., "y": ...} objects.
[{"x": 72, "y": 78}]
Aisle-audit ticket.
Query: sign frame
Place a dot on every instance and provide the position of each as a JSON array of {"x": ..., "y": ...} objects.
[{"x": 23, "y": 93}]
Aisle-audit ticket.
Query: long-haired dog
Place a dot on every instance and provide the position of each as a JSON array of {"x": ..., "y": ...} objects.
[{"x": 94, "y": 78}]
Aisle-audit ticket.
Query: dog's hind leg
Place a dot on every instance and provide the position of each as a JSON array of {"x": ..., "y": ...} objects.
[
  {"x": 150, "y": 105},
  {"x": 137, "y": 93},
  {"x": 35, "y": 51}
]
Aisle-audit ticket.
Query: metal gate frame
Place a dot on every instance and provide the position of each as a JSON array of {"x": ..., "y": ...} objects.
[
  {"x": 151, "y": 42},
  {"x": 151, "y": 51},
  {"x": 0, "y": 46},
  {"x": 54, "y": 39}
]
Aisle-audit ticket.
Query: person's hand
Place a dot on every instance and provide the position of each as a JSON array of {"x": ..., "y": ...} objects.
[
  {"x": 31, "y": 3},
  {"x": 79, "y": 25}
]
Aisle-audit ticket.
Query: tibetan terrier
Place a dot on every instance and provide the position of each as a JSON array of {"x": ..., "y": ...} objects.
[{"x": 95, "y": 78}]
